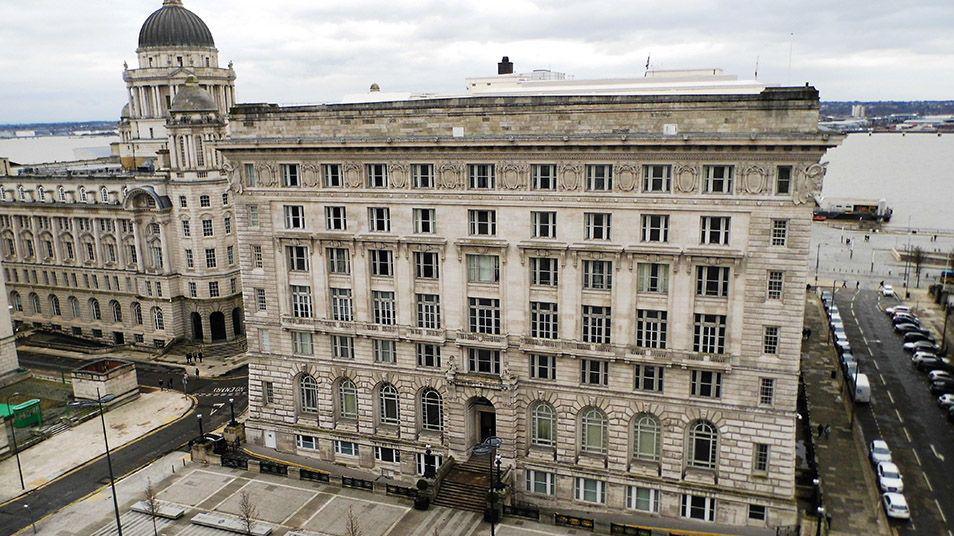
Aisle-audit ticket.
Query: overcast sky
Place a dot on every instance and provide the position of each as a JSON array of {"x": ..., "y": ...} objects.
[{"x": 61, "y": 60}]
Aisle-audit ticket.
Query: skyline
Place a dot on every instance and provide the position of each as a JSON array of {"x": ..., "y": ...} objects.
[{"x": 322, "y": 52}]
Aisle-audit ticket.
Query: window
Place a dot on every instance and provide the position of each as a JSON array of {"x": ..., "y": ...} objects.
[
  {"x": 709, "y": 333},
  {"x": 428, "y": 463},
  {"x": 594, "y": 372},
  {"x": 484, "y": 315},
  {"x": 646, "y": 437},
  {"x": 294, "y": 217},
  {"x": 377, "y": 175},
  {"x": 483, "y": 268},
  {"x": 137, "y": 313},
  {"x": 715, "y": 230},
  {"x": 261, "y": 304},
  {"x": 301, "y": 301},
  {"x": 379, "y": 219},
  {"x": 544, "y": 176},
  {"x": 55, "y": 306},
  {"x": 597, "y": 323},
  {"x": 290, "y": 175},
  {"x": 306, "y": 442},
  {"x": 770, "y": 340},
  {"x": 193, "y": 289},
  {"x": 712, "y": 281},
  {"x": 387, "y": 455},
  {"x": 104, "y": 195},
  {"x": 432, "y": 410},
  {"x": 213, "y": 289},
  {"x": 250, "y": 176},
  {"x": 783, "y": 180},
  {"x": 766, "y": 391},
  {"x": 252, "y": 211},
  {"x": 347, "y": 400},
  {"x": 539, "y": 482},
  {"x": 779, "y": 232},
  {"x": 544, "y": 320},
  {"x": 760, "y": 458},
  {"x": 544, "y": 224},
  {"x": 698, "y": 507},
  {"x": 597, "y": 275},
  {"x": 657, "y": 178},
  {"x": 426, "y": 265},
  {"x": 186, "y": 228},
  {"x": 382, "y": 263},
  {"x": 384, "y": 351},
  {"x": 428, "y": 311},
  {"x": 258, "y": 259},
  {"x": 423, "y": 175},
  {"x": 382, "y": 302},
  {"x": 543, "y": 425},
  {"x": 543, "y": 366},
  {"x": 718, "y": 179},
  {"x": 642, "y": 499},
  {"x": 308, "y": 393},
  {"x": 339, "y": 260},
  {"x": 481, "y": 176},
  {"x": 268, "y": 393},
  {"x": 424, "y": 221},
  {"x": 590, "y": 490},
  {"x": 651, "y": 328},
  {"x": 331, "y": 173},
  {"x": 210, "y": 258},
  {"x": 94, "y": 310},
  {"x": 649, "y": 378},
  {"x": 482, "y": 222},
  {"x": 227, "y": 223},
  {"x": 158, "y": 319},
  {"x": 230, "y": 255},
  {"x": 225, "y": 198},
  {"x": 597, "y": 225},
  {"x": 655, "y": 227},
  {"x": 757, "y": 512},
  {"x": 342, "y": 347},
  {"x": 205, "y": 201},
  {"x": 428, "y": 355},
  {"x": 341, "y": 304},
  {"x": 336, "y": 218},
  {"x": 302, "y": 343},
  {"x": 703, "y": 445},
  {"x": 776, "y": 282},
  {"x": 190, "y": 260},
  {"x": 593, "y": 427},
  {"x": 483, "y": 361},
  {"x": 705, "y": 383},
  {"x": 544, "y": 271},
  {"x": 264, "y": 341},
  {"x": 599, "y": 177},
  {"x": 346, "y": 448}
]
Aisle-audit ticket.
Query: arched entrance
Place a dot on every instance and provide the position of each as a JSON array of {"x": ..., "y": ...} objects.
[
  {"x": 482, "y": 419},
  {"x": 196, "y": 326},
  {"x": 237, "y": 322},
  {"x": 217, "y": 323}
]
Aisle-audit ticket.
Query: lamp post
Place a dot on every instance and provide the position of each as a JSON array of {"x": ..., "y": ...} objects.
[
  {"x": 30, "y": 513},
  {"x": 947, "y": 313},
  {"x": 13, "y": 428},
  {"x": 109, "y": 459},
  {"x": 429, "y": 464},
  {"x": 201, "y": 432},
  {"x": 817, "y": 261},
  {"x": 232, "y": 409},
  {"x": 821, "y": 515}
]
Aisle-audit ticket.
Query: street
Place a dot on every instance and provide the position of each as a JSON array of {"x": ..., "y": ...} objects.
[
  {"x": 212, "y": 395},
  {"x": 902, "y": 411}
]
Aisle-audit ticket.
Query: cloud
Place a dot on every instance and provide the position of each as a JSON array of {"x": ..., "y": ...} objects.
[{"x": 63, "y": 60}]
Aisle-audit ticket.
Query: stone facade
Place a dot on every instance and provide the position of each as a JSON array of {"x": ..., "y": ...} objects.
[
  {"x": 647, "y": 360},
  {"x": 8, "y": 344}
]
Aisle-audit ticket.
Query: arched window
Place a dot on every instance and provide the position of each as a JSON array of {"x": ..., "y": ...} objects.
[
  {"x": 594, "y": 431},
  {"x": 61, "y": 194},
  {"x": 137, "y": 313},
  {"x": 703, "y": 445},
  {"x": 41, "y": 193},
  {"x": 117, "y": 311},
  {"x": 157, "y": 319},
  {"x": 55, "y": 306},
  {"x": 432, "y": 410},
  {"x": 543, "y": 429},
  {"x": 104, "y": 194},
  {"x": 35, "y": 303},
  {"x": 388, "y": 398},
  {"x": 646, "y": 437},
  {"x": 15, "y": 302},
  {"x": 74, "y": 306},
  {"x": 83, "y": 197},
  {"x": 94, "y": 310},
  {"x": 21, "y": 193},
  {"x": 308, "y": 393},
  {"x": 347, "y": 400}
]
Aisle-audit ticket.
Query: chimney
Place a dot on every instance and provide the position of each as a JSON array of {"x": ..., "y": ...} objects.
[{"x": 505, "y": 66}]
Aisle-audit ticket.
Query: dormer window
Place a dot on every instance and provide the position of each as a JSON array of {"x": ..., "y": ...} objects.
[
  {"x": 104, "y": 195},
  {"x": 179, "y": 60}
]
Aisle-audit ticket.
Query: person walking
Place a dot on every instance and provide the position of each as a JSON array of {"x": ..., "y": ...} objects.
[
  {"x": 857, "y": 285},
  {"x": 185, "y": 382},
  {"x": 197, "y": 372},
  {"x": 827, "y": 431},
  {"x": 821, "y": 430},
  {"x": 200, "y": 357}
]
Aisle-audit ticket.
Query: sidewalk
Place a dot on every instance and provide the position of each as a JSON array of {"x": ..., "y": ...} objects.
[
  {"x": 848, "y": 486},
  {"x": 67, "y": 450},
  {"x": 210, "y": 368}
]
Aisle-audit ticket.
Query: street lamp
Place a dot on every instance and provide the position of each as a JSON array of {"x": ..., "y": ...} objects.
[
  {"x": 821, "y": 515},
  {"x": 201, "y": 432},
  {"x": 30, "y": 513},
  {"x": 232, "y": 409},
  {"x": 109, "y": 460},
  {"x": 429, "y": 470},
  {"x": 13, "y": 428}
]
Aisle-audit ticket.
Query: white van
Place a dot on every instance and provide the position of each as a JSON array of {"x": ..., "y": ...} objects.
[{"x": 862, "y": 391}]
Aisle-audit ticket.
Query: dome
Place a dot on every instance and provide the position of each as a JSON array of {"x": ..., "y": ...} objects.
[
  {"x": 192, "y": 98},
  {"x": 125, "y": 113},
  {"x": 174, "y": 25}
]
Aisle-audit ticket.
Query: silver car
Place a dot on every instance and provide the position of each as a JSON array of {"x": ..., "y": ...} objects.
[{"x": 879, "y": 452}]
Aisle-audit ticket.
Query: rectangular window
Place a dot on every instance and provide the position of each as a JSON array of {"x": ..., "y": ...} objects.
[
  {"x": 652, "y": 328},
  {"x": 597, "y": 225},
  {"x": 342, "y": 347},
  {"x": 258, "y": 259},
  {"x": 649, "y": 378},
  {"x": 213, "y": 289},
  {"x": 294, "y": 217},
  {"x": 252, "y": 211},
  {"x": 423, "y": 175},
  {"x": 379, "y": 219},
  {"x": 599, "y": 177},
  {"x": 544, "y": 224},
  {"x": 544, "y": 271},
  {"x": 250, "y": 176},
  {"x": 339, "y": 260},
  {"x": 387, "y": 455},
  {"x": 484, "y": 315},
  {"x": 783, "y": 180},
  {"x": 268, "y": 393},
  {"x": 290, "y": 175},
  {"x": 428, "y": 355},
  {"x": 715, "y": 230},
  {"x": 597, "y": 322},
  {"x": 341, "y": 309},
  {"x": 483, "y": 268},
  {"x": 539, "y": 482},
  {"x": 718, "y": 179},
  {"x": 186, "y": 228},
  {"x": 779, "y": 232},
  {"x": 297, "y": 258},
  {"x": 766, "y": 391},
  {"x": 543, "y": 366},
  {"x": 653, "y": 277},
  {"x": 657, "y": 178},
  {"x": 698, "y": 507},
  {"x": 331, "y": 175},
  {"x": 261, "y": 304},
  {"x": 544, "y": 320},
  {"x": 207, "y": 228},
  {"x": 428, "y": 311},
  {"x": 709, "y": 333},
  {"x": 425, "y": 221},
  {"x": 706, "y": 383},
  {"x": 301, "y": 301},
  {"x": 597, "y": 275},
  {"x": 757, "y": 512},
  {"x": 230, "y": 255},
  {"x": 426, "y": 265},
  {"x": 302, "y": 343},
  {"x": 432, "y": 463},
  {"x": 193, "y": 290},
  {"x": 590, "y": 490},
  {"x": 377, "y": 175},
  {"x": 483, "y": 361},
  {"x": 346, "y": 448},
  {"x": 655, "y": 227},
  {"x": 306, "y": 442},
  {"x": 336, "y": 219},
  {"x": 382, "y": 263},
  {"x": 382, "y": 302},
  {"x": 544, "y": 176},
  {"x": 384, "y": 351},
  {"x": 210, "y": 258},
  {"x": 760, "y": 458},
  {"x": 642, "y": 499},
  {"x": 183, "y": 201},
  {"x": 712, "y": 281},
  {"x": 481, "y": 176},
  {"x": 770, "y": 340},
  {"x": 225, "y": 198},
  {"x": 594, "y": 372},
  {"x": 776, "y": 283},
  {"x": 227, "y": 223},
  {"x": 482, "y": 222},
  {"x": 190, "y": 259}
]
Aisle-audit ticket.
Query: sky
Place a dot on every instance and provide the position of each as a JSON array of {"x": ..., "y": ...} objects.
[{"x": 62, "y": 60}]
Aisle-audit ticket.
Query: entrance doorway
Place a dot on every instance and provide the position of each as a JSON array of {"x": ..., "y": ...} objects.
[
  {"x": 217, "y": 324},
  {"x": 237, "y": 321},
  {"x": 196, "y": 326},
  {"x": 483, "y": 420}
]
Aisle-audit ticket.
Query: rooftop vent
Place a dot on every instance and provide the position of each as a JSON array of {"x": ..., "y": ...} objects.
[{"x": 505, "y": 66}]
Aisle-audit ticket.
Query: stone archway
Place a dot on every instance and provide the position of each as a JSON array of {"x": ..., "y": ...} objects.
[
  {"x": 481, "y": 420},
  {"x": 217, "y": 325},
  {"x": 237, "y": 327},
  {"x": 196, "y": 326}
]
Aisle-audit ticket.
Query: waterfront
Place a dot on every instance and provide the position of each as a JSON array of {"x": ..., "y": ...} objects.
[{"x": 55, "y": 148}]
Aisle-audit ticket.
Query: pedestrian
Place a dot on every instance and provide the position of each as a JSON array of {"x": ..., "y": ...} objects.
[
  {"x": 162, "y": 384},
  {"x": 828, "y": 520},
  {"x": 197, "y": 372},
  {"x": 171, "y": 384},
  {"x": 808, "y": 335},
  {"x": 857, "y": 285},
  {"x": 188, "y": 357},
  {"x": 200, "y": 357},
  {"x": 881, "y": 285},
  {"x": 821, "y": 430},
  {"x": 185, "y": 382},
  {"x": 844, "y": 284},
  {"x": 827, "y": 431}
]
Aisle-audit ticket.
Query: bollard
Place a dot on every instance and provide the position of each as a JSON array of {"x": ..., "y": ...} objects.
[{"x": 173, "y": 468}]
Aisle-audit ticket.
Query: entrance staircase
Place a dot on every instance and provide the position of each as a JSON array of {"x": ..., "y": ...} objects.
[{"x": 465, "y": 486}]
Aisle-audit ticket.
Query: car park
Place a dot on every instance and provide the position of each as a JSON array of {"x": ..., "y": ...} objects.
[
  {"x": 895, "y": 506},
  {"x": 927, "y": 362},
  {"x": 905, "y": 319},
  {"x": 942, "y": 388},
  {"x": 939, "y": 374},
  {"x": 887, "y": 290},
  {"x": 915, "y": 336},
  {"x": 889, "y": 477},
  {"x": 905, "y": 328},
  {"x": 946, "y": 401},
  {"x": 891, "y": 311},
  {"x": 878, "y": 451},
  {"x": 921, "y": 346}
]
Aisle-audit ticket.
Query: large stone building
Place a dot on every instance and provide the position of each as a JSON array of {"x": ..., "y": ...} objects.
[
  {"x": 137, "y": 257},
  {"x": 607, "y": 275}
]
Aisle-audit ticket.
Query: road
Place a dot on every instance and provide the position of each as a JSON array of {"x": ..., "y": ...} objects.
[
  {"x": 903, "y": 412},
  {"x": 212, "y": 394}
]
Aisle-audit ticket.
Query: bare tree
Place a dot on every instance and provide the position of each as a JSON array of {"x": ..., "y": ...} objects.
[
  {"x": 917, "y": 258},
  {"x": 353, "y": 528},
  {"x": 247, "y": 512},
  {"x": 149, "y": 496}
]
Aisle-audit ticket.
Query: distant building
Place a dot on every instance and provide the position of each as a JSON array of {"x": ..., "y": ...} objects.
[{"x": 858, "y": 111}]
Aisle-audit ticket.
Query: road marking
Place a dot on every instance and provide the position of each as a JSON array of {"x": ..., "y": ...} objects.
[
  {"x": 216, "y": 407},
  {"x": 936, "y": 453},
  {"x": 875, "y": 363},
  {"x": 889, "y": 396},
  {"x": 916, "y": 457},
  {"x": 906, "y": 434},
  {"x": 898, "y": 413},
  {"x": 880, "y": 377},
  {"x": 930, "y": 487},
  {"x": 942, "y": 513}
]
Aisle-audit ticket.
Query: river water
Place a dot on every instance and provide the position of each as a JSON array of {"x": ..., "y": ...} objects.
[{"x": 55, "y": 148}]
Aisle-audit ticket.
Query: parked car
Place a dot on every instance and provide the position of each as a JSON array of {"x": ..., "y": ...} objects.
[
  {"x": 905, "y": 327},
  {"x": 927, "y": 362},
  {"x": 835, "y": 318},
  {"x": 843, "y": 346},
  {"x": 946, "y": 401},
  {"x": 879, "y": 452},
  {"x": 941, "y": 387},
  {"x": 889, "y": 478},
  {"x": 895, "y": 506},
  {"x": 921, "y": 346},
  {"x": 891, "y": 311},
  {"x": 939, "y": 374},
  {"x": 915, "y": 336},
  {"x": 887, "y": 290},
  {"x": 848, "y": 356},
  {"x": 905, "y": 319}
]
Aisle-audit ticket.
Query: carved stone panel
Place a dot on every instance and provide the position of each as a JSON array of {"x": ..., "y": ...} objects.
[
  {"x": 266, "y": 174},
  {"x": 398, "y": 174},
  {"x": 808, "y": 182},
  {"x": 571, "y": 175},
  {"x": 687, "y": 178},
  {"x": 754, "y": 179},
  {"x": 352, "y": 174},
  {"x": 513, "y": 176},
  {"x": 311, "y": 175},
  {"x": 627, "y": 177},
  {"x": 450, "y": 175}
]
